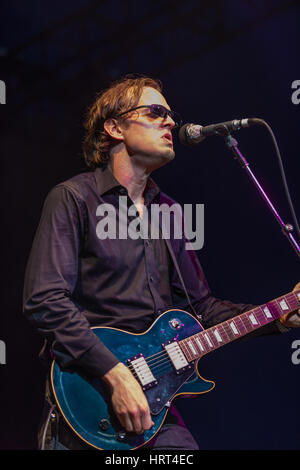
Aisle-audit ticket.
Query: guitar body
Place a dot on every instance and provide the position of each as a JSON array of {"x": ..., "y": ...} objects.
[{"x": 85, "y": 402}]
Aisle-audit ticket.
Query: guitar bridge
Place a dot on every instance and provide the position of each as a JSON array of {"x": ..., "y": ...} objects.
[{"x": 142, "y": 371}]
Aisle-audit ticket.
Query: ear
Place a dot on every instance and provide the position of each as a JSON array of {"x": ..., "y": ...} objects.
[{"x": 113, "y": 129}]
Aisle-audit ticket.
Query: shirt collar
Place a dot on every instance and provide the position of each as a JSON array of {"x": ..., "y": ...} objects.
[{"x": 106, "y": 182}]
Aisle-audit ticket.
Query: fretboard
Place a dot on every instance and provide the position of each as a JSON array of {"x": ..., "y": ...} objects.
[{"x": 208, "y": 340}]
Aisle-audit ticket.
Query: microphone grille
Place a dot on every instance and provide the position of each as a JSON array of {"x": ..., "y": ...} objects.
[{"x": 184, "y": 137}]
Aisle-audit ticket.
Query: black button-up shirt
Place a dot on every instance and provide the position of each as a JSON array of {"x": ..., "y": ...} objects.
[{"x": 74, "y": 280}]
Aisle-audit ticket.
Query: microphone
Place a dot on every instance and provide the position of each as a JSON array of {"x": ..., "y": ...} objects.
[{"x": 192, "y": 134}]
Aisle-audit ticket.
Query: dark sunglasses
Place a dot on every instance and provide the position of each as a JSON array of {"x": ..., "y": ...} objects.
[{"x": 158, "y": 110}]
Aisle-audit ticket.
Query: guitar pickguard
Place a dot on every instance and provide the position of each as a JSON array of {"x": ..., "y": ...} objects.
[{"x": 168, "y": 384}]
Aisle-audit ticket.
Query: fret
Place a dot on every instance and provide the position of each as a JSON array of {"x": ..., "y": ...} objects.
[
  {"x": 212, "y": 337},
  {"x": 266, "y": 312},
  {"x": 284, "y": 305},
  {"x": 275, "y": 309},
  {"x": 247, "y": 322},
  {"x": 242, "y": 330},
  {"x": 185, "y": 350},
  {"x": 219, "y": 338},
  {"x": 234, "y": 328},
  {"x": 294, "y": 300},
  {"x": 207, "y": 338},
  {"x": 237, "y": 326},
  {"x": 260, "y": 316},
  {"x": 192, "y": 348},
  {"x": 226, "y": 329},
  {"x": 199, "y": 344},
  {"x": 253, "y": 319}
]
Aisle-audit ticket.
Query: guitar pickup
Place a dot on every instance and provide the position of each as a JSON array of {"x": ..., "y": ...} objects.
[
  {"x": 176, "y": 356},
  {"x": 140, "y": 368}
]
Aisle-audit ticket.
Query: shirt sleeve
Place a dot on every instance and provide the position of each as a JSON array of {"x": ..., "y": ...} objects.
[
  {"x": 210, "y": 309},
  {"x": 50, "y": 279}
]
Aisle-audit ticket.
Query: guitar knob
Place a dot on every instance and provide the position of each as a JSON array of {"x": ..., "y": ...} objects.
[
  {"x": 121, "y": 435},
  {"x": 175, "y": 323},
  {"x": 104, "y": 424}
]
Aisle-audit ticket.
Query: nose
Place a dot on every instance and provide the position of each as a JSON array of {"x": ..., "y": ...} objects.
[{"x": 168, "y": 122}]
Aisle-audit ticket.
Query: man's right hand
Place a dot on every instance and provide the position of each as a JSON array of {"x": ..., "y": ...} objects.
[{"x": 128, "y": 400}]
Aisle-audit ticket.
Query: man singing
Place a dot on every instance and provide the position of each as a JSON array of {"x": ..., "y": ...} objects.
[{"x": 74, "y": 280}]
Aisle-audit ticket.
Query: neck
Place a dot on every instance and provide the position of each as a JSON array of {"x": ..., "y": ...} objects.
[
  {"x": 208, "y": 340},
  {"x": 129, "y": 175}
]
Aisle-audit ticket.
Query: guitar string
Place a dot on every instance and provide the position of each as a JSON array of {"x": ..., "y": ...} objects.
[
  {"x": 156, "y": 364},
  {"x": 259, "y": 316},
  {"x": 164, "y": 368},
  {"x": 162, "y": 355},
  {"x": 158, "y": 367},
  {"x": 165, "y": 359},
  {"x": 226, "y": 328}
]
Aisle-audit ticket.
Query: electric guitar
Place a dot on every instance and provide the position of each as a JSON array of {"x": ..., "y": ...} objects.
[{"x": 164, "y": 360}]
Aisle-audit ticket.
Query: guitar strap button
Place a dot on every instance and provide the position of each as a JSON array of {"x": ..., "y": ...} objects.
[{"x": 121, "y": 435}]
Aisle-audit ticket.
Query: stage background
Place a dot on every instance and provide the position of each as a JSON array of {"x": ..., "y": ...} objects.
[{"x": 224, "y": 60}]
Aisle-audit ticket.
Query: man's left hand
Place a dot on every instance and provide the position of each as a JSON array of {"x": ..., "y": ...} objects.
[{"x": 292, "y": 319}]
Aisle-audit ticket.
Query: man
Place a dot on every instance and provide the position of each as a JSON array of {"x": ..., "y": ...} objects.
[{"x": 74, "y": 280}]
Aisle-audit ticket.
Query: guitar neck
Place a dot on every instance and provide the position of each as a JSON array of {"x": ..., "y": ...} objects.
[{"x": 223, "y": 333}]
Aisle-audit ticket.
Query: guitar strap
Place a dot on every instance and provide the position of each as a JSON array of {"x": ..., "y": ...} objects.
[{"x": 172, "y": 254}]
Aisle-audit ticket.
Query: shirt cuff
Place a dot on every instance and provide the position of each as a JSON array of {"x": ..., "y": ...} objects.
[{"x": 98, "y": 360}]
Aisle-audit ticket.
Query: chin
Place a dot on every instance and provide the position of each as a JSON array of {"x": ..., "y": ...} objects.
[
  {"x": 170, "y": 155},
  {"x": 163, "y": 158},
  {"x": 154, "y": 160}
]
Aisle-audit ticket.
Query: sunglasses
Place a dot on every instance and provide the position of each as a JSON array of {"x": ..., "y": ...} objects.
[{"x": 158, "y": 110}]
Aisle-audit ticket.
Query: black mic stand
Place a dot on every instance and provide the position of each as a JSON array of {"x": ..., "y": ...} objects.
[{"x": 232, "y": 144}]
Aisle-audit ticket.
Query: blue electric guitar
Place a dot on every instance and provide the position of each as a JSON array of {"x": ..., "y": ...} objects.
[{"x": 164, "y": 360}]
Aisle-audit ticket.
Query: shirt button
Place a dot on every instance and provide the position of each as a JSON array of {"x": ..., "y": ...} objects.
[
  {"x": 123, "y": 191},
  {"x": 159, "y": 312},
  {"x": 151, "y": 279}
]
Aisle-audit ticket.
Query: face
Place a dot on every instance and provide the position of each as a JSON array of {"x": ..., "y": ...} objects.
[{"x": 148, "y": 138}]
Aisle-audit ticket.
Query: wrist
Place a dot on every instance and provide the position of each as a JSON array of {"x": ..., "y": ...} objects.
[{"x": 114, "y": 376}]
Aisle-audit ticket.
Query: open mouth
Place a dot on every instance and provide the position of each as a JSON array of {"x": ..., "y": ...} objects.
[{"x": 168, "y": 137}]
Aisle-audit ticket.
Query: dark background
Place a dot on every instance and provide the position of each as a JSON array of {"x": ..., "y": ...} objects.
[{"x": 218, "y": 60}]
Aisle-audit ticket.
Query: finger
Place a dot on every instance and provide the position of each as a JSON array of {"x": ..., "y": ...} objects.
[
  {"x": 136, "y": 422},
  {"x": 128, "y": 425},
  {"x": 146, "y": 419},
  {"x": 297, "y": 286},
  {"x": 125, "y": 420}
]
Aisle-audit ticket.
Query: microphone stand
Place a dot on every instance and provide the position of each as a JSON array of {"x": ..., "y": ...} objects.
[{"x": 232, "y": 144}]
